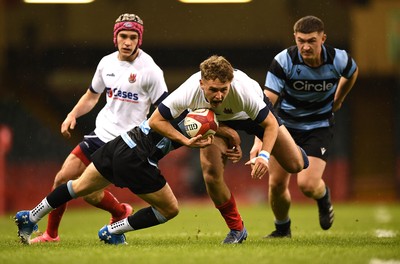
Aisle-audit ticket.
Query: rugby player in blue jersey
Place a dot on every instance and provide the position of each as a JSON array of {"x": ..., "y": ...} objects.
[
  {"x": 128, "y": 161},
  {"x": 307, "y": 83}
]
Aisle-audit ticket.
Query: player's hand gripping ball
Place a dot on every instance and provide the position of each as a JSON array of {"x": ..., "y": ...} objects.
[{"x": 201, "y": 122}]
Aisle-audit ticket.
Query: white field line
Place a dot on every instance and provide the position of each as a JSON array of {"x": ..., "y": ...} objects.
[
  {"x": 384, "y": 233},
  {"x": 384, "y": 261},
  {"x": 383, "y": 216}
]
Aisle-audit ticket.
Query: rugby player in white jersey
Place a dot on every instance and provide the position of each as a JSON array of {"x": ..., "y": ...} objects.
[
  {"x": 239, "y": 103},
  {"x": 132, "y": 82}
]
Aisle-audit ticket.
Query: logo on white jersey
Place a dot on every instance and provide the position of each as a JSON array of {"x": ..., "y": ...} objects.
[
  {"x": 126, "y": 96},
  {"x": 132, "y": 78}
]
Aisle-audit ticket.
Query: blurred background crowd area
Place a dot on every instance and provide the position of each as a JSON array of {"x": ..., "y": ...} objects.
[{"x": 49, "y": 53}]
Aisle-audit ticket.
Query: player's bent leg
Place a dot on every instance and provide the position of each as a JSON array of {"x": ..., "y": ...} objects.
[
  {"x": 287, "y": 153},
  {"x": 212, "y": 164},
  {"x": 310, "y": 180},
  {"x": 311, "y": 184},
  {"x": 279, "y": 198},
  {"x": 164, "y": 206}
]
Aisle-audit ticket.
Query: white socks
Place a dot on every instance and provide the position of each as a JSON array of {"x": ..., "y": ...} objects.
[
  {"x": 120, "y": 227},
  {"x": 42, "y": 209}
]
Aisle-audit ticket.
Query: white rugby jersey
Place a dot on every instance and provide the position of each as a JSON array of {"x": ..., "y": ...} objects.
[
  {"x": 244, "y": 100},
  {"x": 131, "y": 88}
]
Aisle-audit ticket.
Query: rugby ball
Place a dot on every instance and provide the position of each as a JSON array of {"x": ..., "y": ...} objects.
[{"x": 201, "y": 122}]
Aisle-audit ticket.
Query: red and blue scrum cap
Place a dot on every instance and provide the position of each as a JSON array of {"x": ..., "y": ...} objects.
[{"x": 129, "y": 22}]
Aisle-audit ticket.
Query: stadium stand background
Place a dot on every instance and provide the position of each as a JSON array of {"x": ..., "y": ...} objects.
[{"x": 48, "y": 54}]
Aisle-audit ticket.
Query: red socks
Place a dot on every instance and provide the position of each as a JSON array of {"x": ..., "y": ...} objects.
[
  {"x": 111, "y": 204},
  {"x": 108, "y": 203},
  {"x": 54, "y": 220},
  {"x": 231, "y": 214}
]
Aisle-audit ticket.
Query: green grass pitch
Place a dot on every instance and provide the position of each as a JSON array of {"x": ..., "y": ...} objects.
[{"x": 362, "y": 233}]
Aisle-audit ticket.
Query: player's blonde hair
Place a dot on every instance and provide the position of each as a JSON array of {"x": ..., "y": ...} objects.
[{"x": 216, "y": 67}]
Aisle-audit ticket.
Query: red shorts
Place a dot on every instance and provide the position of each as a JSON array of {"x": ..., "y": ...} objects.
[{"x": 87, "y": 147}]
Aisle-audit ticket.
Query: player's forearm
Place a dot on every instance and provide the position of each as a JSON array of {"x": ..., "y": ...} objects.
[
  {"x": 230, "y": 134},
  {"x": 269, "y": 138},
  {"x": 344, "y": 87},
  {"x": 85, "y": 104},
  {"x": 271, "y": 128},
  {"x": 164, "y": 128}
]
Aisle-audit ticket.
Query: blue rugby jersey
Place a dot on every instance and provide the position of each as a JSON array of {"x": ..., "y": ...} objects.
[
  {"x": 161, "y": 144},
  {"x": 307, "y": 93}
]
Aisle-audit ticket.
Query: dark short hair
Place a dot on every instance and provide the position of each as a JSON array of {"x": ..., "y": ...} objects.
[
  {"x": 216, "y": 67},
  {"x": 308, "y": 24}
]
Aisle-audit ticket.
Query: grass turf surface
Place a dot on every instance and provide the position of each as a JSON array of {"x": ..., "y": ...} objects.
[{"x": 362, "y": 233}]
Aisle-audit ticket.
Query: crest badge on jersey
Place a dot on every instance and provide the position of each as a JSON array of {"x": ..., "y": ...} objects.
[{"x": 132, "y": 78}]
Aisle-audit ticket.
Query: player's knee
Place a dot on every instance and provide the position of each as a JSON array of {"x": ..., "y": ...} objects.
[
  {"x": 298, "y": 164},
  {"x": 212, "y": 179},
  {"x": 291, "y": 164},
  {"x": 307, "y": 188},
  {"x": 297, "y": 167},
  {"x": 171, "y": 211},
  {"x": 277, "y": 187},
  {"x": 61, "y": 178}
]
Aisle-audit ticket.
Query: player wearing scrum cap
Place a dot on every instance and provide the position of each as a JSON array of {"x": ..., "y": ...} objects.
[{"x": 132, "y": 82}]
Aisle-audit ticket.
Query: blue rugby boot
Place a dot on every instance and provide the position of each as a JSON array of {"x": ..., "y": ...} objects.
[
  {"x": 109, "y": 238},
  {"x": 235, "y": 236},
  {"x": 25, "y": 226}
]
